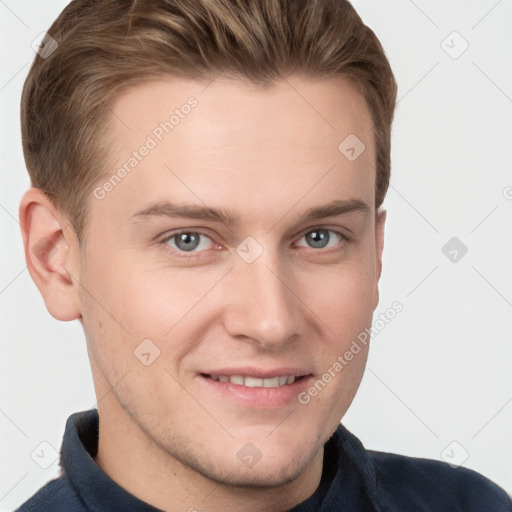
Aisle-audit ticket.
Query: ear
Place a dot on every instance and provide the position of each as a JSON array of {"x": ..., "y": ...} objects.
[
  {"x": 51, "y": 248},
  {"x": 380, "y": 222}
]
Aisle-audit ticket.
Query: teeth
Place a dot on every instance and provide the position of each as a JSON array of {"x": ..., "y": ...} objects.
[
  {"x": 271, "y": 383},
  {"x": 237, "y": 379},
  {"x": 254, "y": 382}
]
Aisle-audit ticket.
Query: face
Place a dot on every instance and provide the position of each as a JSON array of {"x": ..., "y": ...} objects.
[{"x": 215, "y": 305}]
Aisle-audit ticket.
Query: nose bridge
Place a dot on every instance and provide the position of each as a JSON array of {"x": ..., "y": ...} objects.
[{"x": 262, "y": 306}]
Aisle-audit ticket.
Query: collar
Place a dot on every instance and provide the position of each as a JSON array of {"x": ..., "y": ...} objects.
[{"x": 95, "y": 488}]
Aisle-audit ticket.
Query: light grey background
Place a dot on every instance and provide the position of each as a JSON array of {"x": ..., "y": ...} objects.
[{"x": 438, "y": 382}]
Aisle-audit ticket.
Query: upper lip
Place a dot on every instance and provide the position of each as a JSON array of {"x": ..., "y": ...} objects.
[{"x": 259, "y": 373}]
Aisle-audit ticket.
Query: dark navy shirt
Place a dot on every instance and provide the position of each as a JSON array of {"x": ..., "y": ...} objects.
[{"x": 353, "y": 480}]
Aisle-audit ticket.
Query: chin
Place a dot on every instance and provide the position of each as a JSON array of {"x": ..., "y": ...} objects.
[
  {"x": 270, "y": 474},
  {"x": 265, "y": 469}
]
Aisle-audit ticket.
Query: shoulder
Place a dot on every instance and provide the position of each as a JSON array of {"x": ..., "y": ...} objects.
[
  {"x": 57, "y": 495},
  {"x": 405, "y": 481}
]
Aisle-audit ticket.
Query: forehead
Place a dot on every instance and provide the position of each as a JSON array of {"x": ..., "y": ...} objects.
[
  {"x": 231, "y": 106},
  {"x": 228, "y": 142}
]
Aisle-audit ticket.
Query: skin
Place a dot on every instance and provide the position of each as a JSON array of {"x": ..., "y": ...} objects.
[{"x": 267, "y": 155}]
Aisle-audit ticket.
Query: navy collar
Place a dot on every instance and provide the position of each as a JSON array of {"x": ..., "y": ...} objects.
[
  {"x": 348, "y": 476},
  {"x": 94, "y": 487}
]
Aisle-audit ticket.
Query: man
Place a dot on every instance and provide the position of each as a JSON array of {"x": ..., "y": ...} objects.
[{"x": 207, "y": 186}]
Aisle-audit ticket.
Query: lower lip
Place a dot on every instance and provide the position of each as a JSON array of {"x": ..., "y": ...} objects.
[{"x": 260, "y": 397}]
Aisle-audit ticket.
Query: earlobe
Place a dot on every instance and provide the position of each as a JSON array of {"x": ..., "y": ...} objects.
[{"x": 49, "y": 251}]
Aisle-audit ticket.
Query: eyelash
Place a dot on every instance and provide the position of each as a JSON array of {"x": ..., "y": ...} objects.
[{"x": 184, "y": 254}]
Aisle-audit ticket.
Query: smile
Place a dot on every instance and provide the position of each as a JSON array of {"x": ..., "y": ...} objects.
[{"x": 254, "y": 382}]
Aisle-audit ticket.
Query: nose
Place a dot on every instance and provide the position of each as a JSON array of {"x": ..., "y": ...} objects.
[{"x": 262, "y": 307}]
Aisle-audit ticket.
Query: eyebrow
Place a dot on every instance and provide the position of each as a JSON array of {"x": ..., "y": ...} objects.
[{"x": 168, "y": 209}]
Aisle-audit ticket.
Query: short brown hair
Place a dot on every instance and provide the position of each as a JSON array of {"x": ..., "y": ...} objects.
[{"x": 105, "y": 46}]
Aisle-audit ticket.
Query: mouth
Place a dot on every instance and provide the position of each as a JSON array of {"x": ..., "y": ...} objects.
[
  {"x": 256, "y": 382},
  {"x": 257, "y": 389}
]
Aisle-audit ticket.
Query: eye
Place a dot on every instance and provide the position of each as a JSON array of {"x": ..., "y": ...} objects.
[
  {"x": 187, "y": 241},
  {"x": 193, "y": 242},
  {"x": 322, "y": 238}
]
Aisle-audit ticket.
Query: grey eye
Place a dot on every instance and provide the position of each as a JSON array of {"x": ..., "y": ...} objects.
[
  {"x": 188, "y": 241},
  {"x": 318, "y": 238},
  {"x": 321, "y": 238}
]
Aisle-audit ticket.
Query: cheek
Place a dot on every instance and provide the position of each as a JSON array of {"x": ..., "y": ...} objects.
[
  {"x": 343, "y": 296},
  {"x": 165, "y": 301},
  {"x": 141, "y": 295},
  {"x": 138, "y": 302}
]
